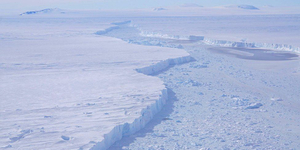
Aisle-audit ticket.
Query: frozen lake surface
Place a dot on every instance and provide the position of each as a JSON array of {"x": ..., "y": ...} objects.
[{"x": 85, "y": 80}]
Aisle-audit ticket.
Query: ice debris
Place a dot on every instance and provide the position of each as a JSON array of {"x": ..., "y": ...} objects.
[
  {"x": 66, "y": 138},
  {"x": 254, "y": 106}
]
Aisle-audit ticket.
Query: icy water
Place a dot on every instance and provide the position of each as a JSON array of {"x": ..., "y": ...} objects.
[{"x": 223, "y": 102}]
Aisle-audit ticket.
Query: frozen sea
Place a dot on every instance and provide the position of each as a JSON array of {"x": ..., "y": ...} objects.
[{"x": 150, "y": 80}]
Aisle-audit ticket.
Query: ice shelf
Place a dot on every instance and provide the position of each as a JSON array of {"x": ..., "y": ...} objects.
[
  {"x": 147, "y": 113},
  {"x": 284, "y": 47}
]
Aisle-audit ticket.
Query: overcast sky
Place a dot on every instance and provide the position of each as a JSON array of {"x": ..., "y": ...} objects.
[{"x": 129, "y": 4}]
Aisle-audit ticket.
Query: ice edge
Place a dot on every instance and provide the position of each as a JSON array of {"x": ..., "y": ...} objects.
[
  {"x": 148, "y": 113},
  {"x": 283, "y": 47},
  {"x": 116, "y": 26},
  {"x": 101, "y": 32},
  {"x": 225, "y": 43}
]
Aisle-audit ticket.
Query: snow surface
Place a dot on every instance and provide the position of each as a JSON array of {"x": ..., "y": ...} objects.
[
  {"x": 86, "y": 79},
  {"x": 68, "y": 88}
]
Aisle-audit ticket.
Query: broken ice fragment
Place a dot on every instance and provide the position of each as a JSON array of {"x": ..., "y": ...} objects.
[
  {"x": 254, "y": 106},
  {"x": 167, "y": 118},
  {"x": 8, "y": 146},
  {"x": 258, "y": 131},
  {"x": 66, "y": 138},
  {"x": 276, "y": 99}
]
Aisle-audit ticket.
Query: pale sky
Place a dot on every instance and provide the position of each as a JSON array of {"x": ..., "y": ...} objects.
[{"x": 129, "y": 4}]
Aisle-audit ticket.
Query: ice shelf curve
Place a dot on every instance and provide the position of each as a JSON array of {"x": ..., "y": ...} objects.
[{"x": 147, "y": 113}]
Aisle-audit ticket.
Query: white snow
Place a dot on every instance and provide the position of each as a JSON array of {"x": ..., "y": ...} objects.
[{"x": 63, "y": 86}]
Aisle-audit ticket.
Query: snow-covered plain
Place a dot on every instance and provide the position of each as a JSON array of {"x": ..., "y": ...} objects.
[
  {"x": 64, "y": 87},
  {"x": 80, "y": 79}
]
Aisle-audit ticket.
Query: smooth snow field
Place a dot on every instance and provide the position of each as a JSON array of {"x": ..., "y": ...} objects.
[{"x": 111, "y": 80}]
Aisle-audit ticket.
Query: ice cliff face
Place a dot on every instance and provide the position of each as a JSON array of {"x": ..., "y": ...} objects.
[
  {"x": 101, "y": 32},
  {"x": 161, "y": 66},
  {"x": 225, "y": 43},
  {"x": 146, "y": 114},
  {"x": 127, "y": 129},
  {"x": 121, "y": 23},
  {"x": 284, "y": 47},
  {"x": 117, "y": 26}
]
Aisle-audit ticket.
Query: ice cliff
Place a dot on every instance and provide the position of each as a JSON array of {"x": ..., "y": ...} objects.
[
  {"x": 146, "y": 114},
  {"x": 284, "y": 47},
  {"x": 225, "y": 43}
]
